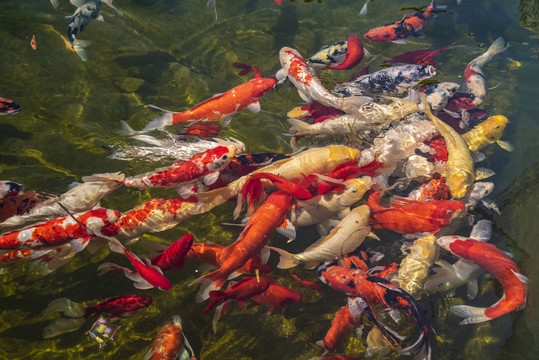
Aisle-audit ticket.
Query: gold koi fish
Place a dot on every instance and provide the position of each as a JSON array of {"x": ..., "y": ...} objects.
[{"x": 488, "y": 132}]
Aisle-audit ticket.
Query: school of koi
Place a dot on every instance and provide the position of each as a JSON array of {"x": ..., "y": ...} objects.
[{"x": 379, "y": 140}]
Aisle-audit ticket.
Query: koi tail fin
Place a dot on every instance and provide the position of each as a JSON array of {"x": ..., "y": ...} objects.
[
  {"x": 117, "y": 177},
  {"x": 471, "y": 314},
  {"x": 350, "y": 104},
  {"x": 215, "y": 297},
  {"x": 287, "y": 260},
  {"x": 159, "y": 122},
  {"x": 109, "y": 267},
  {"x": 74, "y": 311},
  {"x": 79, "y": 47},
  {"x": 498, "y": 46},
  {"x": 300, "y": 127},
  {"x": 64, "y": 305},
  {"x": 247, "y": 69},
  {"x": 209, "y": 282},
  {"x": 323, "y": 345},
  {"x": 220, "y": 311}
]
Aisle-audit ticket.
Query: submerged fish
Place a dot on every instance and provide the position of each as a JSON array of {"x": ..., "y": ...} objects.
[
  {"x": 170, "y": 343},
  {"x": 86, "y": 12},
  {"x": 8, "y": 107}
]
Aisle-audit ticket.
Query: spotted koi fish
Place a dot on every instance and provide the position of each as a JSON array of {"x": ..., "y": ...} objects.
[
  {"x": 77, "y": 229},
  {"x": 410, "y": 25},
  {"x": 342, "y": 55},
  {"x": 309, "y": 86}
]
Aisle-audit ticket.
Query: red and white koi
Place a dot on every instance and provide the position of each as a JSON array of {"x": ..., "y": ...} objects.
[
  {"x": 221, "y": 106},
  {"x": 309, "y": 86},
  {"x": 497, "y": 263},
  {"x": 146, "y": 275},
  {"x": 76, "y": 229}
]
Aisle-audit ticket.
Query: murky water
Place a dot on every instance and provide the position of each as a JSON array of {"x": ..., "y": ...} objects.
[{"x": 174, "y": 54}]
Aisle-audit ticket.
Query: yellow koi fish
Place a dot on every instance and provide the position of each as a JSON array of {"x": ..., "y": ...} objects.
[{"x": 488, "y": 132}]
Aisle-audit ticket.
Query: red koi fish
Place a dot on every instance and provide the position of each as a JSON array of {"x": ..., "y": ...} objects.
[
  {"x": 410, "y": 25},
  {"x": 438, "y": 144},
  {"x": 146, "y": 275},
  {"x": 212, "y": 254},
  {"x": 501, "y": 266},
  {"x": 412, "y": 216},
  {"x": 276, "y": 296},
  {"x": 421, "y": 57},
  {"x": 19, "y": 204},
  {"x": 374, "y": 290},
  {"x": 354, "y": 54},
  {"x": 205, "y": 165},
  {"x": 75, "y": 314},
  {"x": 250, "y": 242},
  {"x": 8, "y": 107},
  {"x": 77, "y": 229},
  {"x": 221, "y": 106},
  {"x": 341, "y": 325},
  {"x": 241, "y": 291},
  {"x": 170, "y": 343},
  {"x": 174, "y": 255}
]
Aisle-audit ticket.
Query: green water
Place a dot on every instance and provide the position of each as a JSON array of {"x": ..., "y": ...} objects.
[{"x": 174, "y": 54}]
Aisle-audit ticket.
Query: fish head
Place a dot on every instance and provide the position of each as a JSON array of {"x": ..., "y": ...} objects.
[
  {"x": 494, "y": 126},
  {"x": 221, "y": 156},
  {"x": 381, "y": 33},
  {"x": 354, "y": 190},
  {"x": 449, "y": 209},
  {"x": 479, "y": 190},
  {"x": 262, "y": 86}
]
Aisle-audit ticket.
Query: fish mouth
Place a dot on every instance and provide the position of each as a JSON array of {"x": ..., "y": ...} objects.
[{"x": 456, "y": 214}]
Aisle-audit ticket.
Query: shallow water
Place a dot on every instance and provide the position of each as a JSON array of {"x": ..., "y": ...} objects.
[{"x": 174, "y": 54}]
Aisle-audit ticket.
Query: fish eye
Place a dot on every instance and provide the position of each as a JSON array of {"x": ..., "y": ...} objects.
[
  {"x": 449, "y": 212},
  {"x": 224, "y": 157},
  {"x": 497, "y": 127},
  {"x": 353, "y": 190}
]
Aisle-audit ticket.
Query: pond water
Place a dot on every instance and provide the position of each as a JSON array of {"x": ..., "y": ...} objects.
[{"x": 175, "y": 54}]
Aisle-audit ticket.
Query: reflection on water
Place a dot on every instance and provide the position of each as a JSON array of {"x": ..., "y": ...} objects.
[{"x": 174, "y": 54}]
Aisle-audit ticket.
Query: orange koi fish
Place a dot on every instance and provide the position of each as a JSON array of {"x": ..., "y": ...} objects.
[
  {"x": 308, "y": 284},
  {"x": 77, "y": 229},
  {"x": 146, "y": 275},
  {"x": 33, "y": 43},
  {"x": 412, "y": 216},
  {"x": 250, "y": 242},
  {"x": 170, "y": 343},
  {"x": 221, "y": 106},
  {"x": 343, "y": 323},
  {"x": 410, "y": 25},
  {"x": 501, "y": 266},
  {"x": 241, "y": 291}
]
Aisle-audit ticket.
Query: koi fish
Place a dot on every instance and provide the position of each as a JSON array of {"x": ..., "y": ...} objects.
[
  {"x": 33, "y": 43},
  {"x": 202, "y": 130},
  {"x": 313, "y": 110},
  {"x": 86, "y": 11},
  {"x": 8, "y": 107},
  {"x": 344, "y": 238},
  {"x": 174, "y": 255},
  {"x": 146, "y": 275},
  {"x": 308, "y": 284},
  {"x": 75, "y": 314},
  {"x": 205, "y": 165},
  {"x": 152, "y": 216},
  {"x": 343, "y": 323},
  {"x": 488, "y": 132},
  {"x": 414, "y": 268},
  {"x": 82, "y": 197},
  {"x": 461, "y": 174},
  {"x": 497, "y": 263},
  {"x": 412, "y": 216},
  {"x": 447, "y": 277},
  {"x": 250, "y": 242},
  {"x": 9, "y": 188},
  {"x": 478, "y": 191},
  {"x": 410, "y": 25},
  {"x": 422, "y": 57},
  {"x": 475, "y": 79},
  {"x": 221, "y": 106},
  {"x": 243, "y": 290},
  {"x": 77, "y": 229},
  {"x": 368, "y": 117},
  {"x": 170, "y": 342},
  {"x": 18, "y": 205},
  {"x": 393, "y": 80},
  {"x": 309, "y": 86},
  {"x": 342, "y": 55}
]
